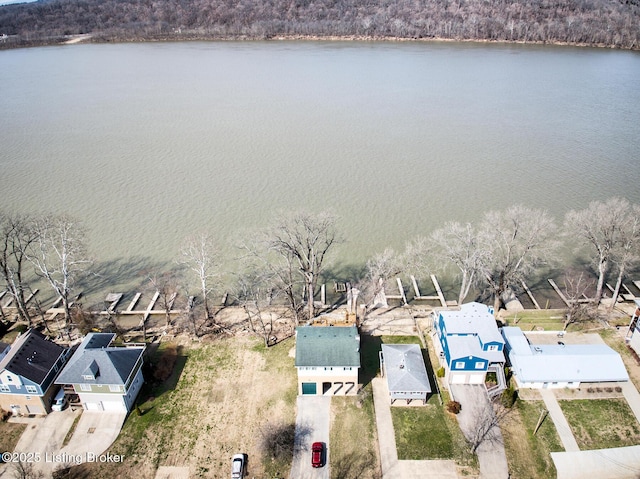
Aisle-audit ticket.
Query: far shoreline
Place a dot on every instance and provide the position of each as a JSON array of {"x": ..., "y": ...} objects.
[{"x": 10, "y": 42}]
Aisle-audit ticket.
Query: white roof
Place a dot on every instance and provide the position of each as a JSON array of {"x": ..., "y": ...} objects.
[
  {"x": 563, "y": 363},
  {"x": 472, "y": 318},
  {"x": 467, "y": 346}
]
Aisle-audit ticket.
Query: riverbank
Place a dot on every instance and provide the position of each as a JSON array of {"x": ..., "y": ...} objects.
[{"x": 16, "y": 41}]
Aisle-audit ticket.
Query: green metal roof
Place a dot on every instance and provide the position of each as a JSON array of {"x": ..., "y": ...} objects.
[{"x": 327, "y": 346}]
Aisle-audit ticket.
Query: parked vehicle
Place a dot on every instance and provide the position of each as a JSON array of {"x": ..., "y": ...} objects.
[
  {"x": 238, "y": 466},
  {"x": 60, "y": 401},
  {"x": 317, "y": 454}
]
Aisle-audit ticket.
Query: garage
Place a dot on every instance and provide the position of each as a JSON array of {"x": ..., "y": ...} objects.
[
  {"x": 114, "y": 406},
  {"x": 308, "y": 388},
  {"x": 93, "y": 406}
]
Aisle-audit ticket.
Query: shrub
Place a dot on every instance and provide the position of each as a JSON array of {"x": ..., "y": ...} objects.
[
  {"x": 454, "y": 407},
  {"x": 440, "y": 372},
  {"x": 618, "y": 389},
  {"x": 508, "y": 397}
]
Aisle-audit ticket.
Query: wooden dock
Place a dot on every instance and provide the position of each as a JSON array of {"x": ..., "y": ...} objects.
[
  {"x": 133, "y": 302},
  {"x": 530, "y": 294},
  {"x": 560, "y": 293},
  {"x": 443, "y": 301},
  {"x": 147, "y": 313}
]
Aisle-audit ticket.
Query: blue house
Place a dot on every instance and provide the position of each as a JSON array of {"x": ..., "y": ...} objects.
[
  {"x": 27, "y": 373},
  {"x": 470, "y": 344}
]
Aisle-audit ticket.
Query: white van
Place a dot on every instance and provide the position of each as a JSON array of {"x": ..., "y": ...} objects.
[{"x": 60, "y": 401}]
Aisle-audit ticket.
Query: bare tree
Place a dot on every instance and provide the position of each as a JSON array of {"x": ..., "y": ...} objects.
[
  {"x": 59, "y": 255},
  {"x": 580, "y": 308},
  {"x": 201, "y": 256},
  {"x": 627, "y": 250},
  {"x": 486, "y": 424},
  {"x": 459, "y": 245},
  {"x": 304, "y": 239},
  {"x": 599, "y": 226},
  {"x": 18, "y": 234},
  {"x": 515, "y": 242},
  {"x": 380, "y": 269},
  {"x": 254, "y": 292},
  {"x": 284, "y": 277}
]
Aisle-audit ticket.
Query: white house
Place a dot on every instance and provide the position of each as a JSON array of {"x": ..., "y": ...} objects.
[
  {"x": 327, "y": 360},
  {"x": 560, "y": 365}
]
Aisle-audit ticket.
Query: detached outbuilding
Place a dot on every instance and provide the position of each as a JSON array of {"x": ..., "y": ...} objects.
[
  {"x": 403, "y": 367},
  {"x": 327, "y": 360}
]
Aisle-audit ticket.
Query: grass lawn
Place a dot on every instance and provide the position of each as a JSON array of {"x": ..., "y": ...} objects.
[
  {"x": 428, "y": 433},
  {"x": 529, "y": 456},
  {"x": 601, "y": 423},
  {"x": 218, "y": 402},
  {"x": 548, "y": 320},
  {"x": 354, "y": 418}
]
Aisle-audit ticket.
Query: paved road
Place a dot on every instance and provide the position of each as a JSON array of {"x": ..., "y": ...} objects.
[
  {"x": 475, "y": 407},
  {"x": 392, "y": 468},
  {"x": 312, "y": 425}
]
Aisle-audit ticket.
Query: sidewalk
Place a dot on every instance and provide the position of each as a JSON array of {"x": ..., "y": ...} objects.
[
  {"x": 392, "y": 468},
  {"x": 557, "y": 416}
]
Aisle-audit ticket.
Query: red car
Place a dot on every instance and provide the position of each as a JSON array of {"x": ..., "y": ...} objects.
[{"x": 317, "y": 454}]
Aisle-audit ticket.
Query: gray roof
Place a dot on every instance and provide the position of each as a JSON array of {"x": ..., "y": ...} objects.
[
  {"x": 32, "y": 356},
  {"x": 404, "y": 368},
  {"x": 562, "y": 363},
  {"x": 327, "y": 346},
  {"x": 110, "y": 365}
]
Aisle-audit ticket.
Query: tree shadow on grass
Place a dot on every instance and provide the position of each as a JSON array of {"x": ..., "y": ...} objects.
[
  {"x": 156, "y": 359},
  {"x": 370, "y": 347}
]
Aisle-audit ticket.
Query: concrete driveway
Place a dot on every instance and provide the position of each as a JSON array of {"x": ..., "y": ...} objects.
[
  {"x": 312, "y": 425},
  {"x": 94, "y": 434},
  {"x": 392, "y": 468},
  {"x": 473, "y": 416}
]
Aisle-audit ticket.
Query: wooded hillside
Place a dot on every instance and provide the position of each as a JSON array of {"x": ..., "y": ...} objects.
[{"x": 591, "y": 22}]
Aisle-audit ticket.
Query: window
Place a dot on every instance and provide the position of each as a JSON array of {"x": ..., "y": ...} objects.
[
  {"x": 459, "y": 365},
  {"x": 31, "y": 389},
  {"x": 492, "y": 347},
  {"x": 328, "y": 368},
  {"x": 4, "y": 388},
  {"x": 480, "y": 365},
  {"x": 85, "y": 387},
  {"x": 114, "y": 388}
]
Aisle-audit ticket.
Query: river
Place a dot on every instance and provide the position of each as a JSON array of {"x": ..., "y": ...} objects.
[{"x": 147, "y": 143}]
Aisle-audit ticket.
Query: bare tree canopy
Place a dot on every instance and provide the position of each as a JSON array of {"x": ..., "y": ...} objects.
[
  {"x": 380, "y": 269},
  {"x": 590, "y": 22},
  {"x": 459, "y": 245},
  {"x": 200, "y": 255},
  {"x": 515, "y": 242},
  {"x": 605, "y": 227},
  {"x": 60, "y": 255},
  {"x": 304, "y": 239},
  {"x": 18, "y": 234}
]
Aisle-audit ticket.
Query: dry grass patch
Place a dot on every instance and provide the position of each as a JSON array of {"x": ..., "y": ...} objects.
[
  {"x": 529, "y": 456},
  {"x": 601, "y": 423},
  {"x": 353, "y": 438},
  {"x": 10, "y": 433},
  {"x": 224, "y": 394}
]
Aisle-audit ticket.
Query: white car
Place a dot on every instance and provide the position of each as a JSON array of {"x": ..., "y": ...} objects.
[
  {"x": 60, "y": 401},
  {"x": 238, "y": 466}
]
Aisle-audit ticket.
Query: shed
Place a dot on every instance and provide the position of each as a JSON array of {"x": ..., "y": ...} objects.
[{"x": 403, "y": 366}]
